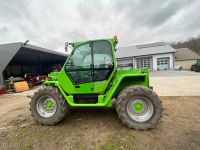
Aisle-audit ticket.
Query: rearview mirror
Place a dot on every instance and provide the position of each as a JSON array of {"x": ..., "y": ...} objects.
[{"x": 66, "y": 46}]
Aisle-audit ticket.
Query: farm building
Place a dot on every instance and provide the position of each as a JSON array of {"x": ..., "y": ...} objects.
[
  {"x": 185, "y": 57},
  {"x": 155, "y": 56},
  {"x": 16, "y": 59}
]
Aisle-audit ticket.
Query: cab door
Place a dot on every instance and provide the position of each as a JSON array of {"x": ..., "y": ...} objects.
[
  {"x": 89, "y": 67},
  {"x": 103, "y": 65},
  {"x": 79, "y": 69}
]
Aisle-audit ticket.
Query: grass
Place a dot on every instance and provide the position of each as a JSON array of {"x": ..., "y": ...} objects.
[
  {"x": 27, "y": 144},
  {"x": 114, "y": 142}
]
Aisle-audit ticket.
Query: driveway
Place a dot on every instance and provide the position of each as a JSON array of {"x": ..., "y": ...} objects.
[
  {"x": 173, "y": 73},
  {"x": 175, "y": 83}
]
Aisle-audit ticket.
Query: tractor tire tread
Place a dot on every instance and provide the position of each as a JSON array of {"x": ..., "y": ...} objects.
[
  {"x": 130, "y": 92},
  {"x": 62, "y": 109}
]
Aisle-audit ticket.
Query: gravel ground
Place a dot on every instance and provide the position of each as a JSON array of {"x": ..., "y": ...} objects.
[
  {"x": 176, "y": 83},
  {"x": 173, "y": 73}
]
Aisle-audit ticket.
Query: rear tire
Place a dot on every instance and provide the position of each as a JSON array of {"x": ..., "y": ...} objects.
[
  {"x": 139, "y": 107},
  {"x": 48, "y": 106}
]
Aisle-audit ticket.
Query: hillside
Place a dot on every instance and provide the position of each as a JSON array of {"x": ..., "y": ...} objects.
[{"x": 191, "y": 43}]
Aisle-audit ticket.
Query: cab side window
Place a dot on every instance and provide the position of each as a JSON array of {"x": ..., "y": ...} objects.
[
  {"x": 103, "y": 60},
  {"x": 79, "y": 63}
]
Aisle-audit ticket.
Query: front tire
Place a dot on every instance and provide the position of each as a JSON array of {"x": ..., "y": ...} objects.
[
  {"x": 48, "y": 106},
  {"x": 139, "y": 107}
]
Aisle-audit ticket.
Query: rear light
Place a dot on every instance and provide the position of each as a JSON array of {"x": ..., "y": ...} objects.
[{"x": 37, "y": 78}]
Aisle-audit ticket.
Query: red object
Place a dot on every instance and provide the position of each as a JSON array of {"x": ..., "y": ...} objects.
[
  {"x": 35, "y": 78},
  {"x": 1, "y": 90}
]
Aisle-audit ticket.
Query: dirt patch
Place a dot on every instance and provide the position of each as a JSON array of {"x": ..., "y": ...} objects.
[{"x": 102, "y": 129}]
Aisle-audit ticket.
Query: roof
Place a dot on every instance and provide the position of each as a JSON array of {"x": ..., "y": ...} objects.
[
  {"x": 43, "y": 49},
  {"x": 144, "y": 49},
  {"x": 33, "y": 47},
  {"x": 26, "y": 54},
  {"x": 185, "y": 54}
]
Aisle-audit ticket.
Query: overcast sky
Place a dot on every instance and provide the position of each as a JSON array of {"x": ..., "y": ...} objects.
[{"x": 51, "y": 23}]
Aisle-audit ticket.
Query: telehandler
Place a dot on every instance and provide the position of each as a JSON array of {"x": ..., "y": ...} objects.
[{"x": 90, "y": 78}]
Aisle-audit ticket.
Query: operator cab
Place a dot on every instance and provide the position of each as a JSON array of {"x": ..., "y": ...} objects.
[
  {"x": 89, "y": 70},
  {"x": 90, "y": 62}
]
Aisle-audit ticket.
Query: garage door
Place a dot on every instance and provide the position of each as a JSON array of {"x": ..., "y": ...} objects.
[
  {"x": 144, "y": 62},
  {"x": 163, "y": 63},
  {"x": 125, "y": 63}
]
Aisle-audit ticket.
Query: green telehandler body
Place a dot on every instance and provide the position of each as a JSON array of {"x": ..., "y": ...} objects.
[{"x": 90, "y": 78}]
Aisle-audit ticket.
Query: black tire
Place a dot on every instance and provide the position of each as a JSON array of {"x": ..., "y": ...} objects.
[
  {"x": 62, "y": 107},
  {"x": 133, "y": 92}
]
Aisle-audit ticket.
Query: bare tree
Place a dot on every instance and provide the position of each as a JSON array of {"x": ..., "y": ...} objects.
[{"x": 191, "y": 43}]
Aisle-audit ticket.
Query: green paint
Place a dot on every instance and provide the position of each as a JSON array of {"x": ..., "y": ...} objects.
[
  {"x": 49, "y": 105},
  {"x": 138, "y": 107},
  {"x": 106, "y": 89}
]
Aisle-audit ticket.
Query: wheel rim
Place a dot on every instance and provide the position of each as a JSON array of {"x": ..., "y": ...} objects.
[
  {"x": 46, "y": 106},
  {"x": 140, "y": 109}
]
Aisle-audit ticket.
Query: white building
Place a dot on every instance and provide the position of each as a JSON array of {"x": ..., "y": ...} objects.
[{"x": 155, "y": 56}]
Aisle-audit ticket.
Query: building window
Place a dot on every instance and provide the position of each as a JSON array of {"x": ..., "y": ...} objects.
[
  {"x": 144, "y": 62},
  {"x": 125, "y": 66}
]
